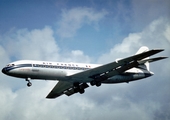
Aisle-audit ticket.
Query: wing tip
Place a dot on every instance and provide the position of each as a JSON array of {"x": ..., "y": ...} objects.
[
  {"x": 49, "y": 97},
  {"x": 158, "y": 50},
  {"x": 52, "y": 96}
]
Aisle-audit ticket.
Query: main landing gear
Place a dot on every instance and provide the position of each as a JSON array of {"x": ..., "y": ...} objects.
[
  {"x": 80, "y": 87},
  {"x": 97, "y": 83},
  {"x": 29, "y": 83}
]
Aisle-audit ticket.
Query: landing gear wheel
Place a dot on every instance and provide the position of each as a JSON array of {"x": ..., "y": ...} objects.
[
  {"x": 81, "y": 91},
  {"x": 29, "y": 84},
  {"x": 76, "y": 90},
  {"x": 93, "y": 83},
  {"x": 98, "y": 84}
]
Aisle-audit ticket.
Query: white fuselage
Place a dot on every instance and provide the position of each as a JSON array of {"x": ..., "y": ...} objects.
[{"x": 61, "y": 71}]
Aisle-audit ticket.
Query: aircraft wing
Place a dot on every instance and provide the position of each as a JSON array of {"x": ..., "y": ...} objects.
[
  {"x": 117, "y": 67},
  {"x": 63, "y": 87},
  {"x": 100, "y": 73},
  {"x": 59, "y": 89}
]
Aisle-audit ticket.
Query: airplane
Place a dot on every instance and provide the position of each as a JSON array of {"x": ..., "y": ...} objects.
[{"x": 76, "y": 77}]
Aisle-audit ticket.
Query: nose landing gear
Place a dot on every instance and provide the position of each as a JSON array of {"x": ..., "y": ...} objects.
[{"x": 29, "y": 83}]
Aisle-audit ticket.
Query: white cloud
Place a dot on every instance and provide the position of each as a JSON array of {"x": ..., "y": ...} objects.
[
  {"x": 76, "y": 56},
  {"x": 167, "y": 32},
  {"x": 74, "y": 19},
  {"x": 35, "y": 44},
  {"x": 155, "y": 35},
  {"x": 3, "y": 56}
]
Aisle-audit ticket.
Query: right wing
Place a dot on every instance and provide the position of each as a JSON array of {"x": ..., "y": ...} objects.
[
  {"x": 108, "y": 70},
  {"x": 63, "y": 87}
]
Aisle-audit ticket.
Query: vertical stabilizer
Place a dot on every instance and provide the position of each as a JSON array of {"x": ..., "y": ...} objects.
[
  {"x": 142, "y": 49},
  {"x": 146, "y": 64}
]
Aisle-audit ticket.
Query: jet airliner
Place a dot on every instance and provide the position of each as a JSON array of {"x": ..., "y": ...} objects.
[{"x": 76, "y": 77}]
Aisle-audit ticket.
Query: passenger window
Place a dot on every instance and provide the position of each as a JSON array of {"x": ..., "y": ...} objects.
[
  {"x": 56, "y": 66},
  {"x": 40, "y": 65},
  {"x": 34, "y": 65}
]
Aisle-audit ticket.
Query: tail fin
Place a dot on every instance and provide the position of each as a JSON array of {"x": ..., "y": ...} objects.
[
  {"x": 142, "y": 49},
  {"x": 146, "y": 64}
]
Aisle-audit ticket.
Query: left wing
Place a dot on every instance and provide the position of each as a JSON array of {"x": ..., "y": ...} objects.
[
  {"x": 59, "y": 89},
  {"x": 63, "y": 87}
]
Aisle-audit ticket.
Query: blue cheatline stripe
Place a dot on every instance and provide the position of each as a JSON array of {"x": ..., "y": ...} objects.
[{"x": 45, "y": 66}]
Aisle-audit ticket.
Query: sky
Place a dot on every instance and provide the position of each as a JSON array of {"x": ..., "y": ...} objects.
[{"x": 89, "y": 31}]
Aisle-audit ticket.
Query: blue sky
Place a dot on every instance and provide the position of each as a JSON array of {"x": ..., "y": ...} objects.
[
  {"x": 118, "y": 19},
  {"x": 90, "y": 31}
]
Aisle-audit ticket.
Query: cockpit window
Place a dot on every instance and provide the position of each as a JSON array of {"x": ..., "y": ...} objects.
[{"x": 10, "y": 65}]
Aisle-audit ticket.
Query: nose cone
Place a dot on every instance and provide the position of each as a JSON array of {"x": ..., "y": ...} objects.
[{"x": 4, "y": 70}]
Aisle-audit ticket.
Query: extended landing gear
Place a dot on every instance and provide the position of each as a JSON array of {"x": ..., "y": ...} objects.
[
  {"x": 29, "y": 83},
  {"x": 95, "y": 83},
  {"x": 81, "y": 91},
  {"x": 80, "y": 87}
]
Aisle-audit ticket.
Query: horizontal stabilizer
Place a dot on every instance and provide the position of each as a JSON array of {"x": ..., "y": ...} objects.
[
  {"x": 151, "y": 60},
  {"x": 148, "y": 53}
]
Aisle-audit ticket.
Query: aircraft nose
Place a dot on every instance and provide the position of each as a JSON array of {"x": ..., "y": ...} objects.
[{"x": 4, "y": 70}]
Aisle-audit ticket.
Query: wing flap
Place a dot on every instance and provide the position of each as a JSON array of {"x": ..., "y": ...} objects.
[{"x": 69, "y": 92}]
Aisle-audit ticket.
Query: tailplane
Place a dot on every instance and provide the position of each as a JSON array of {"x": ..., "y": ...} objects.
[{"x": 144, "y": 63}]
